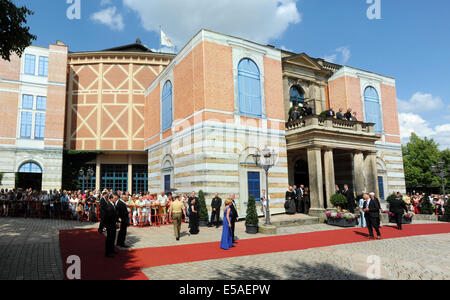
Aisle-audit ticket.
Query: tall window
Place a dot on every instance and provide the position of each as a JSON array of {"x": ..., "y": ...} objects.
[
  {"x": 43, "y": 66},
  {"x": 372, "y": 108},
  {"x": 296, "y": 95},
  {"x": 30, "y": 168},
  {"x": 166, "y": 106},
  {"x": 39, "y": 126},
  {"x": 254, "y": 185},
  {"x": 114, "y": 177},
  {"x": 30, "y": 64},
  {"x": 25, "y": 124},
  {"x": 249, "y": 88},
  {"x": 27, "y": 102},
  {"x": 140, "y": 178},
  {"x": 41, "y": 103}
]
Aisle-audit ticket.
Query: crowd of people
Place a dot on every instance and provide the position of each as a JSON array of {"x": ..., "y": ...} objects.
[
  {"x": 297, "y": 200},
  {"x": 414, "y": 202},
  {"x": 340, "y": 115}
]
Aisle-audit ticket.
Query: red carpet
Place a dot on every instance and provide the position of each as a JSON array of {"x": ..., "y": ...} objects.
[{"x": 127, "y": 265}]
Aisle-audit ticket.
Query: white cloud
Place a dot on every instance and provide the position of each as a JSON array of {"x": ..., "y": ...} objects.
[
  {"x": 256, "y": 20},
  {"x": 110, "y": 18},
  {"x": 105, "y": 2},
  {"x": 410, "y": 122},
  {"x": 340, "y": 56},
  {"x": 420, "y": 102}
]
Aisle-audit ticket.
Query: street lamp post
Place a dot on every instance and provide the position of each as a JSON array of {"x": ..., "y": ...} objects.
[
  {"x": 86, "y": 175},
  {"x": 440, "y": 170},
  {"x": 267, "y": 162}
]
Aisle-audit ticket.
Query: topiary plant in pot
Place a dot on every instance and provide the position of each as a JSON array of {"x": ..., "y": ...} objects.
[
  {"x": 426, "y": 208},
  {"x": 339, "y": 201},
  {"x": 203, "y": 211},
  {"x": 251, "y": 220}
]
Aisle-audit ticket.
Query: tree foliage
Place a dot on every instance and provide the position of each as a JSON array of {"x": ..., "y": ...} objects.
[
  {"x": 338, "y": 200},
  {"x": 418, "y": 157},
  {"x": 14, "y": 35},
  {"x": 203, "y": 211},
  {"x": 252, "y": 215}
]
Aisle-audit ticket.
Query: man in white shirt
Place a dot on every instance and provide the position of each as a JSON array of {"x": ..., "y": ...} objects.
[{"x": 162, "y": 199}]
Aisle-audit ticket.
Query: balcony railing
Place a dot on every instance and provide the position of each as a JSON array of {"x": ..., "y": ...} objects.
[{"x": 321, "y": 123}]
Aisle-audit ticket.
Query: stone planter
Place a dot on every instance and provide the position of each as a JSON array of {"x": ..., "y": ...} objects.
[
  {"x": 341, "y": 222},
  {"x": 404, "y": 221},
  {"x": 251, "y": 229}
]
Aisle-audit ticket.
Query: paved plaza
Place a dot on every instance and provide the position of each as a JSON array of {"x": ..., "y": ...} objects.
[{"x": 29, "y": 249}]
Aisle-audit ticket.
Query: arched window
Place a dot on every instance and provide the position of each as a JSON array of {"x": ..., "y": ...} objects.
[
  {"x": 249, "y": 88},
  {"x": 297, "y": 95},
  {"x": 372, "y": 108},
  {"x": 30, "y": 168},
  {"x": 166, "y": 106}
]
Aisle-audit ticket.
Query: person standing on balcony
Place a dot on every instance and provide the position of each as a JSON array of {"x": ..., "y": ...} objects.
[{"x": 340, "y": 115}]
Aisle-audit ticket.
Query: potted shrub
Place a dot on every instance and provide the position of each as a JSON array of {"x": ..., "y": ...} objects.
[
  {"x": 446, "y": 216},
  {"x": 339, "y": 201},
  {"x": 203, "y": 211},
  {"x": 341, "y": 219},
  {"x": 251, "y": 220},
  {"x": 426, "y": 208}
]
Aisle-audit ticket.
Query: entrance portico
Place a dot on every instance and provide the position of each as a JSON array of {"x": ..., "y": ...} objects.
[{"x": 337, "y": 152}]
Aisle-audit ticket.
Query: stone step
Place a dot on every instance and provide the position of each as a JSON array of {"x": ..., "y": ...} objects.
[{"x": 281, "y": 221}]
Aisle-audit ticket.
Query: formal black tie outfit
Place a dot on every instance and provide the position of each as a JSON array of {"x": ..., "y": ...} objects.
[
  {"x": 109, "y": 218},
  {"x": 373, "y": 216},
  {"x": 234, "y": 217},
  {"x": 122, "y": 213},
  {"x": 216, "y": 204},
  {"x": 398, "y": 207}
]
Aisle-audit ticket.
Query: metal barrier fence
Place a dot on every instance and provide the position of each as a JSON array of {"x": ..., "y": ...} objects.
[{"x": 139, "y": 215}]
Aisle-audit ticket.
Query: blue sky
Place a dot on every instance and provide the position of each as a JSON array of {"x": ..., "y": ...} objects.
[{"x": 410, "y": 42}]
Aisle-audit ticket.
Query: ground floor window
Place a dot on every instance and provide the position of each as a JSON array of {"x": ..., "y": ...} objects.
[
  {"x": 167, "y": 184},
  {"x": 28, "y": 176},
  {"x": 114, "y": 177},
  {"x": 254, "y": 185},
  {"x": 140, "y": 179},
  {"x": 381, "y": 187}
]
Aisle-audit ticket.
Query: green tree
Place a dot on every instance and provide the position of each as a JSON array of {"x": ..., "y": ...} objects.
[
  {"x": 14, "y": 35},
  {"x": 252, "y": 216},
  {"x": 203, "y": 211},
  {"x": 418, "y": 157}
]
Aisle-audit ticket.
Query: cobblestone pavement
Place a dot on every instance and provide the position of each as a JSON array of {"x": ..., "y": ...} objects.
[
  {"x": 421, "y": 257},
  {"x": 29, "y": 249}
]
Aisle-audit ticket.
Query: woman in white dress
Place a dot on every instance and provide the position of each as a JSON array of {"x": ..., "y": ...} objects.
[{"x": 362, "y": 219}]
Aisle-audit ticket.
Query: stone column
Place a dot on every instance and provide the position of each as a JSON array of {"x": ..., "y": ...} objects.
[
  {"x": 329, "y": 175},
  {"x": 358, "y": 168},
  {"x": 371, "y": 173},
  {"x": 315, "y": 180},
  {"x": 130, "y": 173},
  {"x": 98, "y": 173}
]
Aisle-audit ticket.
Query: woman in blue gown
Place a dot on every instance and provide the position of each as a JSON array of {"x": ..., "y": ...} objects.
[{"x": 227, "y": 239}]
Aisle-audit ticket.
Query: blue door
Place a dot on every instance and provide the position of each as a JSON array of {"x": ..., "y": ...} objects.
[
  {"x": 254, "y": 185},
  {"x": 381, "y": 187},
  {"x": 167, "y": 183}
]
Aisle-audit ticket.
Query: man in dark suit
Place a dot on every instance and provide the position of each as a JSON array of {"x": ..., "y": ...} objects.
[
  {"x": 124, "y": 218},
  {"x": 216, "y": 203},
  {"x": 103, "y": 200},
  {"x": 372, "y": 209},
  {"x": 330, "y": 113},
  {"x": 398, "y": 207},
  {"x": 348, "y": 115},
  {"x": 295, "y": 115},
  {"x": 234, "y": 217},
  {"x": 348, "y": 193},
  {"x": 108, "y": 211},
  {"x": 301, "y": 204},
  {"x": 340, "y": 115},
  {"x": 307, "y": 110}
]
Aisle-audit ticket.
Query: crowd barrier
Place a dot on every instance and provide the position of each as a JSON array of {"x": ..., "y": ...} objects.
[{"x": 139, "y": 215}]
